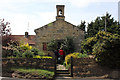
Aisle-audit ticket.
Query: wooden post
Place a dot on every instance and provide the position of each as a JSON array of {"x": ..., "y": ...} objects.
[
  {"x": 71, "y": 66},
  {"x": 55, "y": 66}
]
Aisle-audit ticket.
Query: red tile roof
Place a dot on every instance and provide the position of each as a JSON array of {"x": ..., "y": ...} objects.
[{"x": 30, "y": 39}]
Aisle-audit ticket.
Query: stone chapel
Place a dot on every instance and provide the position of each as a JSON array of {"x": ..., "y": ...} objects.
[{"x": 58, "y": 30}]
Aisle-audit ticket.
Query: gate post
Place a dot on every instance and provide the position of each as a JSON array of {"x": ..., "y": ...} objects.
[
  {"x": 55, "y": 66},
  {"x": 71, "y": 66}
]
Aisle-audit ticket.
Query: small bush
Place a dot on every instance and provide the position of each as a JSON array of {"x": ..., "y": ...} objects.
[
  {"x": 87, "y": 45},
  {"x": 64, "y": 63},
  {"x": 27, "y": 54},
  {"x": 41, "y": 53},
  {"x": 6, "y": 53},
  {"x": 35, "y": 51},
  {"x": 68, "y": 57},
  {"x": 24, "y": 51},
  {"x": 80, "y": 55},
  {"x": 42, "y": 56},
  {"x": 25, "y": 47},
  {"x": 74, "y": 55}
]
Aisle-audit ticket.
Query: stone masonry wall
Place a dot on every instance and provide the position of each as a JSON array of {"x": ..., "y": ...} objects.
[
  {"x": 87, "y": 67},
  {"x": 47, "y": 64},
  {"x": 58, "y": 29}
]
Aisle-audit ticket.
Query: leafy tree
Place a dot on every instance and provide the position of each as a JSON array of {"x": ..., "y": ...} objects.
[
  {"x": 82, "y": 25},
  {"x": 5, "y": 31},
  {"x": 66, "y": 44},
  {"x": 4, "y": 28},
  {"x": 53, "y": 45},
  {"x": 99, "y": 25}
]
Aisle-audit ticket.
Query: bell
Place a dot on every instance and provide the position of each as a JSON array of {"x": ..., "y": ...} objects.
[{"x": 60, "y": 12}]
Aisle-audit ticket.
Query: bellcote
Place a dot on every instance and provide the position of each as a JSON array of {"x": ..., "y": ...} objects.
[{"x": 60, "y": 12}]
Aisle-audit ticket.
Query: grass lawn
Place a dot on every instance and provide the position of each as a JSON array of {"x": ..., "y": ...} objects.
[{"x": 40, "y": 72}]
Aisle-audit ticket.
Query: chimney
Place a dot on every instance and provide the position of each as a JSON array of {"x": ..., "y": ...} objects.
[{"x": 26, "y": 34}]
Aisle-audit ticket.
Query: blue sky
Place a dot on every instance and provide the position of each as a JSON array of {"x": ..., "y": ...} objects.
[{"x": 41, "y": 12}]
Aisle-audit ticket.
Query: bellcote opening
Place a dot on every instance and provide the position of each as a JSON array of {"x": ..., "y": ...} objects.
[{"x": 60, "y": 12}]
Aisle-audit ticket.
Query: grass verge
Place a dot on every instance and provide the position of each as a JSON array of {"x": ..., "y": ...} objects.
[{"x": 40, "y": 72}]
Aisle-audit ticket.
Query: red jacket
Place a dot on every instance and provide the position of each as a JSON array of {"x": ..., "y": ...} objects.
[{"x": 61, "y": 52}]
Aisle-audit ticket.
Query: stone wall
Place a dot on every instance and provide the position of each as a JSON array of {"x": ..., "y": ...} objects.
[
  {"x": 87, "y": 67},
  {"x": 46, "y": 63},
  {"x": 57, "y": 30}
]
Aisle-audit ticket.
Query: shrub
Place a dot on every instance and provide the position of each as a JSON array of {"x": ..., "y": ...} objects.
[
  {"x": 27, "y": 54},
  {"x": 35, "y": 51},
  {"x": 16, "y": 53},
  {"x": 25, "y": 47},
  {"x": 87, "y": 45},
  {"x": 74, "y": 55},
  {"x": 66, "y": 44},
  {"x": 53, "y": 45},
  {"x": 41, "y": 53},
  {"x": 68, "y": 57},
  {"x": 107, "y": 50},
  {"x": 6, "y": 52},
  {"x": 23, "y": 50},
  {"x": 42, "y": 56},
  {"x": 64, "y": 63},
  {"x": 80, "y": 55}
]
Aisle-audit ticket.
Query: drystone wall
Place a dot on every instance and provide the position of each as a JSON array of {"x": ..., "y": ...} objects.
[
  {"x": 38, "y": 63},
  {"x": 87, "y": 67}
]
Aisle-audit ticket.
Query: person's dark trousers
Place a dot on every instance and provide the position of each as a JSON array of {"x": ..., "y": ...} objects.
[{"x": 61, "y": 59}]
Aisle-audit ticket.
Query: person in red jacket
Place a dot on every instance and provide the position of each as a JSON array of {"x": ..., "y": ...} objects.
[{"x": 62, "y": 54}]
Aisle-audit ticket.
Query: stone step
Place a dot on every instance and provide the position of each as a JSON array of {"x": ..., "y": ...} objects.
[
  {"x": 63, "y": 75},
  {"x": 62, "y": 70},
  {"x": 61, "y": 78}
]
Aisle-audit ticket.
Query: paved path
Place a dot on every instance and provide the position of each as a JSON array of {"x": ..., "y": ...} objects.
[{"x": 61, "y": 67}]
